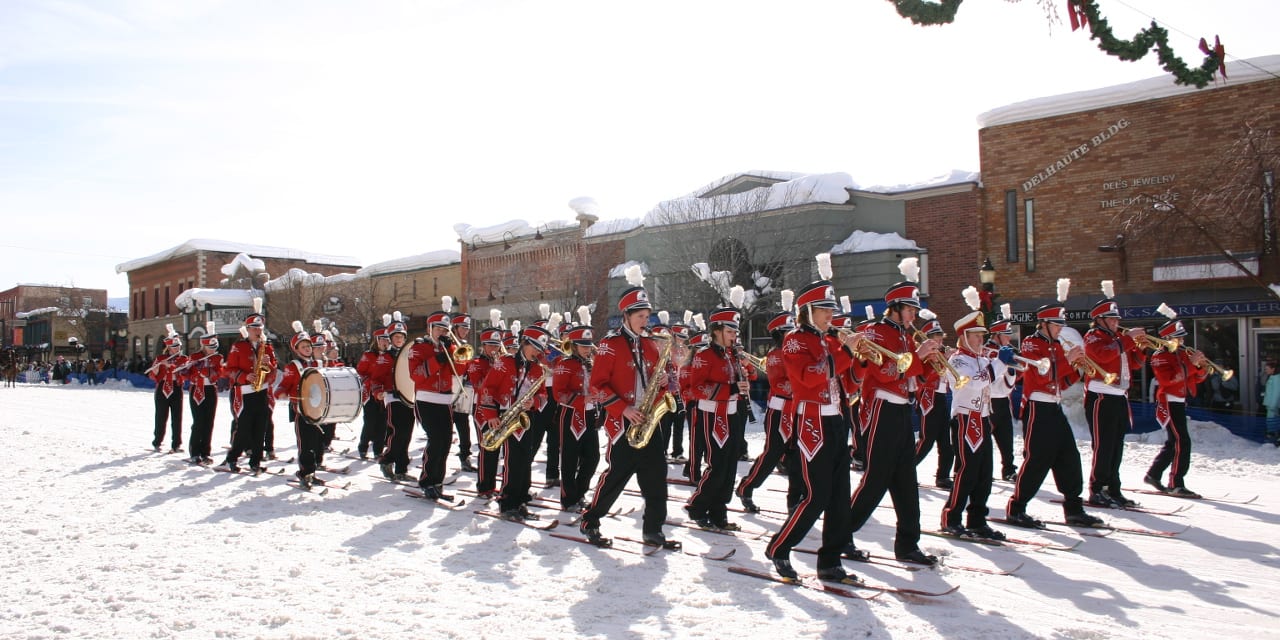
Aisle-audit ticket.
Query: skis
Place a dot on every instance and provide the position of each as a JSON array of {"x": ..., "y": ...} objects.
[
  {"x": 892, "y": 563},
  {"x": 812, "y": 584},
  {"x": 324, "y": 488},
  {"x": 675, "y": 546},
  {"x": 744, "y": 533},
  {"x": 448, "y": 502},
  {"x": 549, "y": 525},
  {"x": 1038, "y": 544},
  {"x": 1224, "y": 498},
  {"x": 1142, "y": 531},
  {"x": 338, "y": 470},
  {"x": 1135, "y": 508},
  {"x": 605, "y": 543}
]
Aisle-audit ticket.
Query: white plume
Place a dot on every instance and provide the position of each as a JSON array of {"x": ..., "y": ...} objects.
[
  {"x": 1064, "y": 287},
  {"x": 1167, "y": 311},
  {"x": 1006, "y": 311},
  {"x": 871, "y": 312},
  {"x": 297, "y": 326},
  {"x": 1108, "y": 288},
  {"x": 584, "y": 315},
  {"x": 698, "y": 322},
  {"x": 209, "y": 328},
  {"x": 386, "y": 319},
  {"x": 910, "y": 269},
  {"x": 845, "y": 305},
  {"x": 495, "y": 317},
  {"x": 169, "y": 330},
  {"x": 788, "y": 299},
  {"x": 635, "y": 276},
  {"x": 824, "y": 266},
  {"x": 318, "y": 325},
  {"x": 544, "y": 311},
  {"x": 971, "y": 297},
  {"x": 736, "y": 295},
  {"x": 926, "y": 314},
  {"x": 395, "y": 315},
  {"x": 664, "y": 317},
  {"x": 244, "y": 332},
  {"x": 553, "y": 323},
  {"x": 688, "y": 317},
  {"x": 328, "y": 335},
  {"x": 257, "y": 305},
  {"x": 515, "y": 327},
  {"x": 446, "y": 303}
]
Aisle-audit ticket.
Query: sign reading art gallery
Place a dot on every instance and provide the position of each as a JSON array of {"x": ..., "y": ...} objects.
[{"x": 1073, "y": 154}]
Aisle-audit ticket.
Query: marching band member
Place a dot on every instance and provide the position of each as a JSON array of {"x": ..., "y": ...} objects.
[
  {"x": 999, "y": 335},
  {"x": 1048, "y": 443},
  {"x": 332, "y": 356},
  {"x": 857, "y": 371},
  {"x": 432, "y": 368},
  {"x": 577, "y": 420},
  {"x": 887, "y": 394},
  {"x": 626, "y": 365},
  {"x": 718, "y": 380},
  {"x": 308, "y": 434},
  {"x": 1106, "y": 405},
  {"x": 513, "y": 380},
  {"x": 697, "y": 442},
  {"x": 935, "y": 421},
  {"x": 168, "y": 395},
  {"x": 202, "y": 375},
  {"x": 320, "y": 347},
  {"x": 462, "y": 407},
  {"x": 251, "y": 369},
  {"x": 374, "y": 368},
  {"x": 544, "y": 421},
  {"x": 814, "y": 361},
  {"x": 674, "y": 422},
  {"x": 394, "y": 462},
  {"x": 1179, "y": 373},
  {"x": 777, "y": 415},
  {"x": 477, "y": 369},
  {"x": 970, "y": 406},
  {"x": 850, "y": 380}
]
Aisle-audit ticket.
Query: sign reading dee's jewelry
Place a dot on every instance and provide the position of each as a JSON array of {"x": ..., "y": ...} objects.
[
  {"x": 1074, "y": 154},
  {"x": 1162, "y": 201}
]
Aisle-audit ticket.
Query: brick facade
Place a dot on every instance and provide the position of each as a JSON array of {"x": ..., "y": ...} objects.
[{"x": 946, "y": 226}]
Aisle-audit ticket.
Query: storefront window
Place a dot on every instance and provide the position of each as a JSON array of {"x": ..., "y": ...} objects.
[{"x": 1219, "y": 339}]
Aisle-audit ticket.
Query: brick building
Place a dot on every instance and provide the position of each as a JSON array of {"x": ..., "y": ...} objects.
[
  {"x": 1163, "y": 189},
  {"x": 156, "y": 280},
  {"x": 39, "y": 320}
]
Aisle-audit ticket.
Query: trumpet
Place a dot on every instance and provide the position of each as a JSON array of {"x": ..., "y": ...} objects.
[
  {"x": 877, "y": 353},
  {"x": 1087, "y": 366},
  {"x": 940, "y": 363},
  {"x": 756, "y": 361},
  {"x": 1147, "y": 341},
  {"x": 1214, "y": 368},
  {"x": 1041, "y": 366}
]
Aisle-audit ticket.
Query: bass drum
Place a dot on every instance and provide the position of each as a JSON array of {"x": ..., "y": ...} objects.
[
  {"x": 330, "y": 395},
  {"x": 404, "y": 387}
]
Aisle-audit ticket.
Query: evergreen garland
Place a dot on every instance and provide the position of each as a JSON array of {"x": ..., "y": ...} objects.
[{"x": 923, "y": 12}]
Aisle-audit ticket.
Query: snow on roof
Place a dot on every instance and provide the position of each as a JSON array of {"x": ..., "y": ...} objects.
[
  {"x": 780, "y": 176},
  {"x": 828, "y": 188},
  {"x": 620, "y": 271},
  {"x": 510, "y": 228},
  {"x": 35, "y": 312},
  {"x": 223, "y": 246},
  {"x": 412, "y": 263},
  {"x": 955, "y": 176},
  {"x": 862, "y": 241},
  {"x": 243, "y": 261},
  {"x": 192, "y": 300},
  {"x": 1162, "y": 86},
  {"x": 297, "y": 277},
  {"x": 610, "y": 227}
]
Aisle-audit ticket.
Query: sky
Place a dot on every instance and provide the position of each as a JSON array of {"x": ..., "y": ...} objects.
[
  {"x": 105, "y": 539},
  {"x": 368, "y": 129}
]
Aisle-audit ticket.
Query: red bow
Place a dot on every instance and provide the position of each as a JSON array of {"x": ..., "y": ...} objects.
[
  {"x": 1075, "y": 11},
  {"x": 1218, "y": 52}
]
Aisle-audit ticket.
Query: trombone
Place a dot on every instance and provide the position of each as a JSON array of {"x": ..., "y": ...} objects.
[
  {"x": 877, "y": 353},
  {"x": 940, "y": 363},
  {"x": 1087, "y": 366},
  {"x": 462, "y": 350}
]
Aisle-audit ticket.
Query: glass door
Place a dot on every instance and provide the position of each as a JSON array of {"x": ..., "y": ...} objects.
[{"x": 1266, "y": 346}]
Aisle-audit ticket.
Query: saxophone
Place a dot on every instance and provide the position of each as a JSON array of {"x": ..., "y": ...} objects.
[
  {"x": 263, "y": 367},
  {"x": 652, "y": 406},
  {"x": 513, "y": 418}
]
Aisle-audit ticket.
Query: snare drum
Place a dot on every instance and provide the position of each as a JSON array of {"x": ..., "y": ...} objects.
[{"x": 330, "y": 395}]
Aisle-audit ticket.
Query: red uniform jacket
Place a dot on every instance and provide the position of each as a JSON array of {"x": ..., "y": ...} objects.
[
  {"x": 432, "y": 379},
  {"x": 928, "y": 391},
  {"x": 1176, "y": 377},
  {"x": 814, "y": 364},
  {"x": 780, "y": 391},
  {"x": 713, "y": 376},
  {"x": 202, "y": 371},
  {"x": 509, "y": 377},
  {"x": 242, "y": 369},
  {"x": 615, "y": 381},
  {"x": 164, "y": 373},
  {"x": 291, "y": 384},
  {"x": 375, "y": 368},
  {"x": 1107, "y": 349},
  {"x": 1059, "y": 376},
  {"x": 569, "y": 387}
]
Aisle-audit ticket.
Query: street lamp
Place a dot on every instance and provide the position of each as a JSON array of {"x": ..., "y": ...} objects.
[{"x": 987, "y": 277}]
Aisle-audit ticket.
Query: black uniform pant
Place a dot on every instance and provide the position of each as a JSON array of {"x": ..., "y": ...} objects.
[
  {"x": 825, "y": 481},
  {"x": 250, "y": 425},
  {"x": 548, "y": 427},
  {"x": 202, "y": 415},
  {"x": 775, "y": 449},
  {"x": 486, "y": 464},
  {"x": 1177, "y": 448},
  {"x": 399, "y": 435},
  {"x": 310, "y": 438},
  {"x": 973, "y": 477},
  {"x": 437, "y": 422},
  {"x": 269, "y": 433},
  {"x": 462, "y": 426},
  {"x": 678, "y": 420},
  {"x": 1047, "y": 445},
  {"x": 858, "y": 448},
  {"x": 579, "y": 456},
  {"x": 697, "y": 448},
  {"x": 373, "y": 434},
  {"x": 935, "y": 426},
  {"x": 711, "y": 497},
  {"x": 1108, "y": 417},
  {"x": 517, "y": 469},
  {"x": 648, "y": 465},
  {"x": 891, "y": 467},
  {"x": 1002, "y": 433},
  {"x": 168, "y": 409}
]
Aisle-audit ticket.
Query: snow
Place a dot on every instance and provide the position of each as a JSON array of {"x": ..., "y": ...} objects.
[
  {"x": 296, "y": 277},
  {"x": 620, "y": 271},
  {"x": 193, "y": 299},
  {"x": 410, "y": 263},
  {"x": 509, "y": 229},
  {"x": 223, "y": 246},
  {"x": 863, "y": 241},
  {"x": 951, "y": 178},
  {"x": 610, "y": 227},
  {"x": 245, "y": 262},
  {"x": 1161, "y": 86},
  {"x": 830, "y": 188},
  {"x": 108, "y": 540}
]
